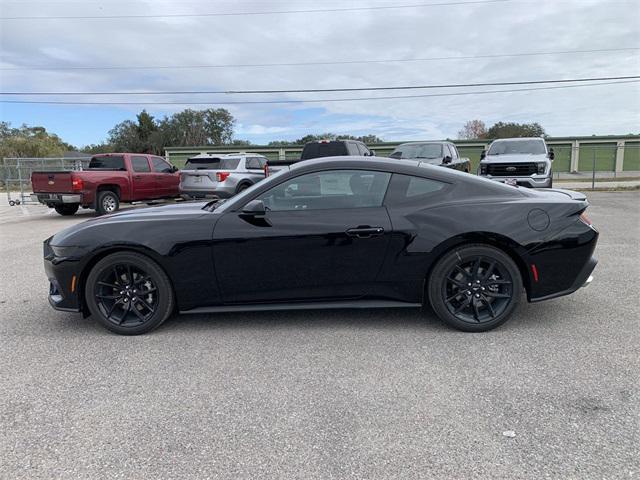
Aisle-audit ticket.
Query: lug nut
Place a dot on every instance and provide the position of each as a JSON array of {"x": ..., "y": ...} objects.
[{"x": 477, "y": 296}]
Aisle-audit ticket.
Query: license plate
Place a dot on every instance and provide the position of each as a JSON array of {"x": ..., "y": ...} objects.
[
  {"x": 197, "y": 179},
  {"x": 53, "y": 196},
  {"x": 511, "y": 181}
]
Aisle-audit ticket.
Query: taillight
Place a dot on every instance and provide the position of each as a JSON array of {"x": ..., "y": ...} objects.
[
  {"x": 266, "y": 169},
  {"x": 586, "y": 220},
  {"x": 76, "y": 184},
  {"x": 222, "y": 176}
]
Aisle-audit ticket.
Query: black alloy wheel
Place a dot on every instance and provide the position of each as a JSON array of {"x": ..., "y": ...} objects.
[
  {"x": 475, "y": 288},
  {"x": 128, "y": 293}
]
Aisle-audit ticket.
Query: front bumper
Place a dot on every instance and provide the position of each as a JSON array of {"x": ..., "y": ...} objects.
[
  {"x": 56, "y": 198},
  {"x": 63, "y": 275},
  {"x": 531, "y": 182}
]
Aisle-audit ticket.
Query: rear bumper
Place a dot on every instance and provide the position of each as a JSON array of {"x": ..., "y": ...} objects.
[
  {"x": 56, "y": 198},
  {"x": 583, "y": 279},
  {"x": 217, "y": 193}
]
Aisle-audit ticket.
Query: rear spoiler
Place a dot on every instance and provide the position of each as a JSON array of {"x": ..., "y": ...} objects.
[{"x": 573, "y": 195}]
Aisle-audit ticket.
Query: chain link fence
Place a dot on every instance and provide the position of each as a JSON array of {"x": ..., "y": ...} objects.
[{"x": 16, "y": 173}]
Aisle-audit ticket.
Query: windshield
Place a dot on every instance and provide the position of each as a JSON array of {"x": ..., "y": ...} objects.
[
  {"x": 212, "y": 163},
  {"x": 418, "y": 150},
  {"x": 242, "y": 197},
  {"x": 323, "y": 149},
  {"x": 531, "y": 147}
]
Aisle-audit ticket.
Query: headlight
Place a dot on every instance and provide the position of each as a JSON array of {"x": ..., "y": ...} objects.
[
  {"x": 483, "y": 169},
  {"x": 541, "y": 167},
  {"x": 67, "y": 252}
]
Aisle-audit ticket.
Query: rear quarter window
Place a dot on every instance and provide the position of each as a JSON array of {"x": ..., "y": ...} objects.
[{"x": 409, "y": 189}]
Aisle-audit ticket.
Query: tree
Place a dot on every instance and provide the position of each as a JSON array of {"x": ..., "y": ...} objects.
[
  {"x": 186, "y": 128},
  {"x": 473, "y": 129},
  {"x": 326, "y": 136},
  {"x": 30, "y": 142},
  {"x": 510, "y": 129}
]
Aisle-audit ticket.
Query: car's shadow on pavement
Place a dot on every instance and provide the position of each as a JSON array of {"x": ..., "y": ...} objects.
[{"x": 387, "y": 318}]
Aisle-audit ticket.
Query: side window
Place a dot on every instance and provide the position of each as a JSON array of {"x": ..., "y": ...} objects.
[
  {"x": 329, "y": 190},
  {"x": 253, "y": 163},
  {"x": 263, "y": 162},
  {"x": 454, "y": 151},
  {"x": 140, "y": 164},
  {"x": 160, "y": 165},
  {"x": 352, "y": 148},
  {"x": 407, "y": 188}
]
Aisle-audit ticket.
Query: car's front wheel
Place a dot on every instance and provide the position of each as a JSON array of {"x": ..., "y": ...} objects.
[
  {"x": 475, "y": 288},
  {"x": 128, "y": 293}
]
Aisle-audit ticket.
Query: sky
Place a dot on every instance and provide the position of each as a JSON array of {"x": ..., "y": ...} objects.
[{"x": 417, "y": 32}]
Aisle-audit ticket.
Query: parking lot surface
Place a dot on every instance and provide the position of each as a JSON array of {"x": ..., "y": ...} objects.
[{"x": 323, "y": 394}]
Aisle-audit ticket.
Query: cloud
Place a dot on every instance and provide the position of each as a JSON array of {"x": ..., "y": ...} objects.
[{"x": 462, "y": 30}]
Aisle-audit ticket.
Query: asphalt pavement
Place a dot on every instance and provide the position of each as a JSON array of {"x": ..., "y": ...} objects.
[{"x": 323, "y": 394}]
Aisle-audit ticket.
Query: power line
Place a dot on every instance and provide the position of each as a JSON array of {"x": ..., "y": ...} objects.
[
  {"x": 298, "y": 64},
  {"x": 326, "y": 90},
  {"x": 325, "y": 100},
  {"x": 232, "y": 14}
]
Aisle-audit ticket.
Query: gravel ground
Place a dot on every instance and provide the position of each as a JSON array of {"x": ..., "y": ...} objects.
[{"x": 323, "y": 394}]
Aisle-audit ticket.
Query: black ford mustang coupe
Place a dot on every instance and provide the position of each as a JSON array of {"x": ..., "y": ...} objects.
[{"x": 345, "y": 232}]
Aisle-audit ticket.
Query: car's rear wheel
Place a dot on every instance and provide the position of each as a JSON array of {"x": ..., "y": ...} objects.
[
  {"x": 475, "y": 288},
  {"x": 242, "y": 187},
  {"x": 128, "y": 293},
  {"x": 67, "y": 208},
  {"x": 107, "y": 202}
]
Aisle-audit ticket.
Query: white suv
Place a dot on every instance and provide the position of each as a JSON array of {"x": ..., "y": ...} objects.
[{"x": 221, "y": 176}]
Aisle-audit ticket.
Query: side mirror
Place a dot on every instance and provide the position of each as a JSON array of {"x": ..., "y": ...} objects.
[
  {"x": 372, "y": 153},
  {"x": 174, "y": 169},
  {"x": 552, "y": 154},
  {"x": 483, "y": 154},
  {"x": 254, "y": 208},
  {"x": 446, "y": 159}
]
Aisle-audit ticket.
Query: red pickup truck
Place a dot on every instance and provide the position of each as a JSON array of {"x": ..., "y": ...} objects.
[{"x": 110, "y": 179}]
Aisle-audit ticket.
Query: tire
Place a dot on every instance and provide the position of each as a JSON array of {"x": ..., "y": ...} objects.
[
  {"x": 131, "y": 313},
  {"x": 107, "y": 202},
  {"x": 67, "y": 208},
  {"x": 242, "y": 187},
  {"x": 475, "y": 288}
]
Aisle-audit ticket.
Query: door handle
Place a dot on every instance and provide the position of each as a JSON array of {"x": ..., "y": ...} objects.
[
  {"x": 365, "y": 232},
  {"x": 137, "y": 177}
]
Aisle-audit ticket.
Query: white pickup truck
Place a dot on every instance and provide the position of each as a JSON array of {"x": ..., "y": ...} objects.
[{"x": 518, "y": 161}]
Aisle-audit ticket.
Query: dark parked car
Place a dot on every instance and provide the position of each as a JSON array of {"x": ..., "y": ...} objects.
[
  {"x": 330, "y": 233},
  {"x": 324, "y": 148},
  {"x": 444, "y": 154}
]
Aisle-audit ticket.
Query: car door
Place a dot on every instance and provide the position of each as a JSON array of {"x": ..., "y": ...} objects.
[
  {"x": 166, "y": 179},
  {"x": 143, "y": 179},
  {"x": 324, "y": 236}
]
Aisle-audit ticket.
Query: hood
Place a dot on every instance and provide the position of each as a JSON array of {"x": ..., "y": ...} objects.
[
  {"x": 516, "y": 158},
  {"x": 131, "y": 216}
]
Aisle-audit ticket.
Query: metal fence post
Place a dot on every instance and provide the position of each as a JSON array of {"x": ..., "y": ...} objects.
[{"x": 593, "y": 169}]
